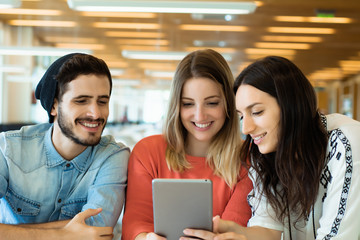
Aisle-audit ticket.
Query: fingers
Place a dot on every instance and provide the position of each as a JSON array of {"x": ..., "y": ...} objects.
[
  {"x": 202, "y": 234},
  {"x": 216, "y": 222},
  {"x": 154, "y": 236},
  {"x": 103, "y": 231},
  {"x": 87, "y": 213},
  {"x": 230, "y": 236}
]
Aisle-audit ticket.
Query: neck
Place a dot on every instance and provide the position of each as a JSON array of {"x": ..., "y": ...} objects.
[
  {"x": 65, "y": 146},
  {"x": 196, "y": 148}
]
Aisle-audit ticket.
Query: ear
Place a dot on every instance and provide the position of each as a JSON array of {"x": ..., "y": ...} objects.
[{"x": 54, "y": 108}]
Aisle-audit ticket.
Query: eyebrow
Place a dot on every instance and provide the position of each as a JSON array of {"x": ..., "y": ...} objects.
[
  {"x": 250, "y": 106},
  {"x": 215, "y": 96},
  {"x": 89, "y": 96}
]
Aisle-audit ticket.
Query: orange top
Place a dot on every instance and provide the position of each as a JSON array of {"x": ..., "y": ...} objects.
[{"x": 147, "y": 161}]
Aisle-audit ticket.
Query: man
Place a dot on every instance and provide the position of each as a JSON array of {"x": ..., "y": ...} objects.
[{"x": 63, "y": 180}]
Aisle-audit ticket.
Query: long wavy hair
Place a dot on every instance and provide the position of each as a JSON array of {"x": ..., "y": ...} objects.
[
  {"x": 224, "y": 150},
  {"x": 289, "y": 177}
]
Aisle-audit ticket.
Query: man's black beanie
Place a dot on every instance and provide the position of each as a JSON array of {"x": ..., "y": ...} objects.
[{"x": 46, "y": 88}]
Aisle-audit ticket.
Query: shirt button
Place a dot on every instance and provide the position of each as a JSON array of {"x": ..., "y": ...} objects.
[
  {"x": 68, "y": 165},
  {"x": 59, "y": 201},
  {"x": 19, "y": 209}
]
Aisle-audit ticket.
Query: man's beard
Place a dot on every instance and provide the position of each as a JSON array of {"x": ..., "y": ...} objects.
[{"x": 67, "y": 129}]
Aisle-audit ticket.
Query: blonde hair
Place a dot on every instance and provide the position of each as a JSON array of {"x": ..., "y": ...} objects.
[{"x": 223, "y": 155}]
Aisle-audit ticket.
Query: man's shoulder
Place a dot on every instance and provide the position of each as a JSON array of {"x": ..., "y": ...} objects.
[
  {"x": 109, "y": 150},
  {"x": 108, "y": 142},
  {"x": 29, "y": 131}
]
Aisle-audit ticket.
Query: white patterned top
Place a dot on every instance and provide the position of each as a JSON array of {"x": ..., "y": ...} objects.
[{"x": 336, "y": 213}]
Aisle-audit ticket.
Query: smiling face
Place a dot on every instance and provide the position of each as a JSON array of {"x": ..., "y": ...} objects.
[
  {"x": 202, "y": 110},
  {"x": 82, "y": 112},
  {"x": 260, "y": 116}
]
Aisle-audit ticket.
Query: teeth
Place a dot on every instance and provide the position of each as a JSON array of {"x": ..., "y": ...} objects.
[
  {"x": 91, "y": 125},
  {"x": 202, "y": 125},
  {"x": 257, "y": 138}
]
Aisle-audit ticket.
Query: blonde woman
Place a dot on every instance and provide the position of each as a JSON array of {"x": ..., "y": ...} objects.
[{"x": 200, "y": 140}]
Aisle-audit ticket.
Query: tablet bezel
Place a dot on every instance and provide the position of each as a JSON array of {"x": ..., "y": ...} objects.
[{"x": 180, "y": 204}]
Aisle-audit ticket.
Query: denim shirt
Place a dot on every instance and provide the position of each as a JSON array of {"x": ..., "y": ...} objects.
[{"x": 37, "y": 185}]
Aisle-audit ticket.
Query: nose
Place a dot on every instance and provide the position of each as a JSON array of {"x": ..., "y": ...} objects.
[
  {"x": 200, "y": 113},
  {"x": 94, "y": 111},
  {"x": 247, "y": 125}
]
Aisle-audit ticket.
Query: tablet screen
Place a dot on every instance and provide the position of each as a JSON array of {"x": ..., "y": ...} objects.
[{"x": 180, "y": 204}]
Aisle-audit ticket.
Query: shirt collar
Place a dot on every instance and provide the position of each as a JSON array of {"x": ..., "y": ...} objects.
[{"x": 53, "y": 158}]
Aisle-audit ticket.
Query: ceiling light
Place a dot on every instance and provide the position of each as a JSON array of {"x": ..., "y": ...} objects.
[
  {"x": 157, "y": 55},
  {"x": 204, "y": 7},
  {"x": 282, "y": 45},
  {"x": 225, "y": 28},
  {"x": 74, "y": 39},
  {"x": 213, "y": 17},
  {"x": 42, "y": 23},
  {"x": 155, "y": 42},
  {"x": 313, "y": 19},
  {"x": 158, "y": 66},
  {"x": 253, "y": 57},
  {"x": 10, "y": 3},
  {"x": 144, "y": 48},
  {"x": 38, "y": 51},
  {"x": 301, "y": 30},
  {"x": 92, "y": 46},
  {"x": 154, "y": 55},
  {"x": 259, "y": 3},
  {"x": 135, "y": 34},
  {"x": 39, "y": 12},
  {"x": 291, "y": 39},
  {"x": 323, "y": 75},
  {"x": 260, "y": 51},
  {"x": 127, "y": 25},
  {"x": 117, "y": 15},
  {"x": 350, "y": 63},
  {"x": 218, "y": 49}
]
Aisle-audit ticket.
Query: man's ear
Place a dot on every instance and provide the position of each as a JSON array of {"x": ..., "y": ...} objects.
[{"x": 54, "y": 108}]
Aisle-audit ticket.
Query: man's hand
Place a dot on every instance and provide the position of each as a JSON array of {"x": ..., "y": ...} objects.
[{"x": 77, "y": 228}]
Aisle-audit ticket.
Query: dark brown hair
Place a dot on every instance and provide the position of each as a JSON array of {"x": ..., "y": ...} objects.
[
  {"x": 80, "y": 64},
  {"x": 290, "y": 177}
]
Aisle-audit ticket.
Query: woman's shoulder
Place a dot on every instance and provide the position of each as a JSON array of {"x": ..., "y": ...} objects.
[
  {"x": 340, "y": 121},
  {"x": 345, "y": 129},
  {"x": 157, "y": 138}
]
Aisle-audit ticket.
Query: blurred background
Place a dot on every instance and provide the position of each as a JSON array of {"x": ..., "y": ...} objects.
[{"x": 142, "y": 41}]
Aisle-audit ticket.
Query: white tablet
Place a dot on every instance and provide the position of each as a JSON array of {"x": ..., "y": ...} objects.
[{"x": 180, "y": 204}]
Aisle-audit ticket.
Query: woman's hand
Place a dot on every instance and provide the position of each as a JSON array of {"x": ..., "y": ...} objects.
[
  {"x": 223, "y": 226},
  {"x": 222, "y": 230},
  {"x": 202, "y": 234},
  {"x": 149, "y": 236}
]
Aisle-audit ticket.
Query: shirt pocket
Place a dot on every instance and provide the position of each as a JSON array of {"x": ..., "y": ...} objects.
[
  {"x": 21, "y": 205},
  {"x": 71, "y": 208}
]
